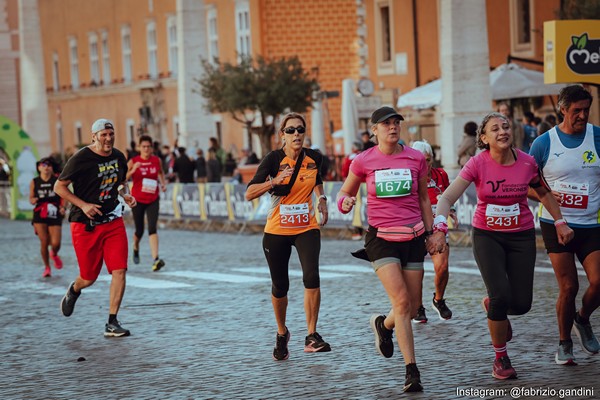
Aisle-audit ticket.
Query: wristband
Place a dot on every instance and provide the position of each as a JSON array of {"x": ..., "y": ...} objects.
[
  {"x": 323, "y": 197},
  {"x": 339, "y": 205},
  {"x": 441, "y": 227},
  {"x": 440, "y": 219},
  {"x": 560, "y": 221}
]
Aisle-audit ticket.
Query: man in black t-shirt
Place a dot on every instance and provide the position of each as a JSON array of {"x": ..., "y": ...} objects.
[{"x": 97, "y": 173}]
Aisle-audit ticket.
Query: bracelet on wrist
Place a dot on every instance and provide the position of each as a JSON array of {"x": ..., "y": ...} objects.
[
  {"x": 441, "y": 227},
  {"x": 323, "y": 197},
  {"x": 440, "y": 219},
  {"x": 340, "y": 203},
  {"x": 560, "y": 221},
  {"x": 271, "y": 181}
]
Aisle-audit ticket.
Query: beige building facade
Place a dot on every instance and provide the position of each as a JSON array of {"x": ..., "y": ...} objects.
[{"x": 136, "y": 61}]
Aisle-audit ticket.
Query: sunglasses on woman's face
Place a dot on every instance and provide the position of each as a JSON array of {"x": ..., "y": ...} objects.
[{"x": 291, "y": 129}]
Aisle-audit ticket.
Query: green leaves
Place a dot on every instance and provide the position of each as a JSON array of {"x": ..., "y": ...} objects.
[
  {"x": 580, "y": 42},
  {"x": 267, "y": 87}
]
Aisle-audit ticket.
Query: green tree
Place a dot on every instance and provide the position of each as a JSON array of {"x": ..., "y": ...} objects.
[
  {"x": 261, "y": 88},
  {"x": 578, "y": 9}
]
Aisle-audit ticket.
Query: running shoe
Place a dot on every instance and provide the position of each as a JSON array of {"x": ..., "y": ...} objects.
[
  {"x": 314, "y": 343},
  {"x": 356, "y": 236},
  {"x": 58, "y": 264},
  {"x": 564, "y": 355},
  {"x": 441, "y": 308},
  {"x": 158, "y": 264},
  {"x": 280, "y": 352},
  {"x": 47, "y": 272},
  {"x": 586, "y": 337},
  {"x": 383, "y": 336},
  {"x": 136, "y": 256},
  {"x": 412, "y": 383},
  {"x": 115, "y": 329},
  {"x": 420, "y": 318},
  {"x": 503, "y": 369},
  {"x": 67, "y": 305},
  {"x": 485, "y": 304}
]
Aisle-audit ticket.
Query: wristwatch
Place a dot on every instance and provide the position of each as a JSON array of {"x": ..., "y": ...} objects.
[{"x": 323, "y": 197}]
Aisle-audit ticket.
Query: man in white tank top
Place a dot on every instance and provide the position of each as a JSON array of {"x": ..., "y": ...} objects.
[{"x": 569, "y": 156}]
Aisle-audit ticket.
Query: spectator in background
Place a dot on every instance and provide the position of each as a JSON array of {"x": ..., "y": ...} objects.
[
  {"x": 529, "y": 129},
  {"x": 248, "y": 157},
  {"x": 230, "y": 165},
  {"x": 156, "y": 150},
  {"x": 357, "y": 231},
  {"x": 551, "y": 119},
  {"x": 213, "y": 167},
  {"x": 132, "y": 152},
  {"x": 200, "y": 166},
  {"x": 367, "y": 143},
  {"x": 219, "y": 152},
  {"x": 184, "y": 167},
  {"x": 4, "y": 171},
  {"x": 518, "y": 135},
  {"x": 348, "y": 159},
  {"x": 543, "y": 127},
  {"x": 468, "y": 146},
  {"x": 168, "y": 163}
]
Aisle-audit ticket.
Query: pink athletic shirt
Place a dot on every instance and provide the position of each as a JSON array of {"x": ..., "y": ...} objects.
[
  {"x": 501, "y": 191},
  {"x": 392, "y": 185}
]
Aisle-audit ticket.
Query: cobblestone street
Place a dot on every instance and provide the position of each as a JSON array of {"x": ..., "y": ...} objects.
[{"x": 203, "y": 328}]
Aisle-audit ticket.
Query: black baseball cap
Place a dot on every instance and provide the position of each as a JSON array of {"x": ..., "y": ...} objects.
[{"x": 383, "y": 113}]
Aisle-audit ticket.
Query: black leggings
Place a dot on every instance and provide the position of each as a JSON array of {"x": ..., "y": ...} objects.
[
  {"x": 151, "y": 210},
  {"x": 278, "y": 249},
  {"x": 506, "y": 261}
]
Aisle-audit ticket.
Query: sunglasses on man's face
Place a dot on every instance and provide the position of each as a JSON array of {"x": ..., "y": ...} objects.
[{"x": 291, "y": 129}]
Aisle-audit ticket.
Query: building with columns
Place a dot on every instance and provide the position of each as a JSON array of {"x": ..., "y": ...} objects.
[{"x": 136, "y": 61}]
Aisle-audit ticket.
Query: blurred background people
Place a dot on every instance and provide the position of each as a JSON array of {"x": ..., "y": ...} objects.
[
  {"x": 468, "y": 146},
  {"x": 200, "y": 166},
  {"x": 184, "y": 167}
]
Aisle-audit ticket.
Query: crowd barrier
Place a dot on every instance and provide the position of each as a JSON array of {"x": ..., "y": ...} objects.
[{"x": 225, "y": 202}]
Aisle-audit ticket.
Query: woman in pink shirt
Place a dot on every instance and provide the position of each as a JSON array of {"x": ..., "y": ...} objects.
[
  {"x": 399, "y": 214},
  {"x": 503, "y": 228}
]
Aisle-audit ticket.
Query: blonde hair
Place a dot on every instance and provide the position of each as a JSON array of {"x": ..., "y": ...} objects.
[{"x": 292, "y": 115}]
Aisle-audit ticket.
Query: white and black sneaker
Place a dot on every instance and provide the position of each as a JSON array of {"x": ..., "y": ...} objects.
[
  {"x": 441, "y": 308},
  {"x": 67, "y": 304},
  {"x": 114, "y": 329}
]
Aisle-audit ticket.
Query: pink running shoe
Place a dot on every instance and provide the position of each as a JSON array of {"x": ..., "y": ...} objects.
[
  {"x": 485, "y": 304},
  {"x": 47, "y": 272},
  {"x": 58, "y": 264},
  {"x": 503, "y": 369}
]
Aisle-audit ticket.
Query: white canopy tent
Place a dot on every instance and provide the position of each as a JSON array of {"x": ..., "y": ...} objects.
[{"x": 508, "y": 81}]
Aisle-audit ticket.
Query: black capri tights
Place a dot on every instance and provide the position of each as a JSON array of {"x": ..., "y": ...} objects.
[
  {"x": 506, "y": 262},
  {"x": 151, "y": 210},
  {"x": 278, "y": 249}
]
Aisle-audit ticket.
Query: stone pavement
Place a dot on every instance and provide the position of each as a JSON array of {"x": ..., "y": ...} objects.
[{"x": 203, "y": 328}]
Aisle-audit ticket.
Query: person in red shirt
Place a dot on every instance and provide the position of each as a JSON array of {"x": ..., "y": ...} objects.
[
  {"x": 147, "y": 175},
  {"x": 438, "y": 182}
]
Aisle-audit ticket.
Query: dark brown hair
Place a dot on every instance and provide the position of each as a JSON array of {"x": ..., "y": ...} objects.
[
  {"x": 145, "y": 138},
  {"x": 484, "y": 122}
]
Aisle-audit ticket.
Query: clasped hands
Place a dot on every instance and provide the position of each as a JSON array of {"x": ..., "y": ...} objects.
[{"x": 436, "y": 243}]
